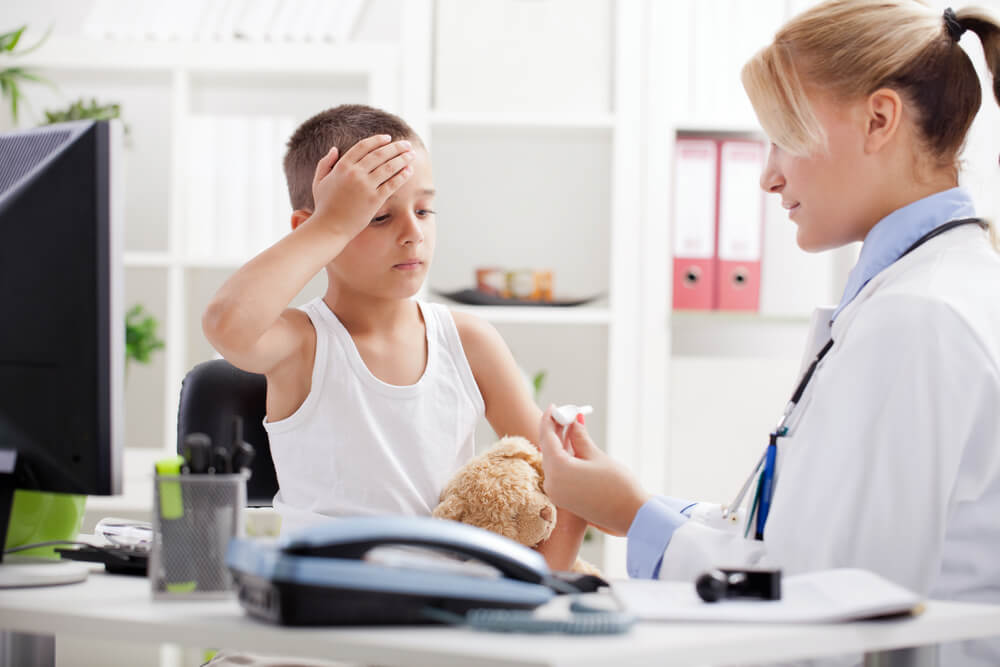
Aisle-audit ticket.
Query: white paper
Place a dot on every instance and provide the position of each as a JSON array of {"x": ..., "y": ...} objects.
[
  {"x": 826, "y": 596},
  {"x": 207, "y": 24},
  {"x": 341, "y": 26}
]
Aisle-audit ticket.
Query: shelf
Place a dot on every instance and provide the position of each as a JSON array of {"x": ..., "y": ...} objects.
[
  {"x": 722, "y": 317},
  {"x": 719, "y": 127},
  {"x": 229, "y": 57},
  {"x": 537, "y": 314},
  {"x": 147, "y": 260},
  {"x": 545, "y": 121}
]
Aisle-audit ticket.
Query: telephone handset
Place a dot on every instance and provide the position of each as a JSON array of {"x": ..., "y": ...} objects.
[
  {"x": 354, "y": 539},
  {"x": 326, "y": 575}
]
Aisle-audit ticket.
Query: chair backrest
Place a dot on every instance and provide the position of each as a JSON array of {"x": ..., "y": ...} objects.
[{"x": 213, "y": 393}]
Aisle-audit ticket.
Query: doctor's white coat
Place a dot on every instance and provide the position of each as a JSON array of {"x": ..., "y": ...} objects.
[{"x": 892, "y": 462}]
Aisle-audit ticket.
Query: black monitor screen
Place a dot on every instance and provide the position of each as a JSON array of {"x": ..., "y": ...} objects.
[{"x": 61, "y": 340}]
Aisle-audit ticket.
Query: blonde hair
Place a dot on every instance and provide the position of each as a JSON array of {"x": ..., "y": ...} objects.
[{"x": 851, "y": 48}]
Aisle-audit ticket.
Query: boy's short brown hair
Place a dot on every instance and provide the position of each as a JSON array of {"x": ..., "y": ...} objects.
[{"x": 342, "y": 126}]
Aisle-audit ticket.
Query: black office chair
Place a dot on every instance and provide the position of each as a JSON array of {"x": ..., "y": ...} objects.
[{"x": 213, "y": 393}]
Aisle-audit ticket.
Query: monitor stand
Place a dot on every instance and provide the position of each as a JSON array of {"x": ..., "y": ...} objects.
[
  {"x": 25, "y": 572},
  {"x": 21, "y": 572}
]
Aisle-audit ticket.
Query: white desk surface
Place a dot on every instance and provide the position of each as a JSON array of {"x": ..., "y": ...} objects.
[{"x": 120, "y": 607}]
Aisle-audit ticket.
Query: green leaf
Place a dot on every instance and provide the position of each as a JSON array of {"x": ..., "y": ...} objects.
[
  {"x": 33, "y": 47},
  {"x": 80, "y": 110},
  {"x": 8, "y": 40},
  {"x": 15, "y": 95},
  {"x": 140, "y": 335},
  {"x": 21, "y": 73},
  {"x": 538, "y": 381}
]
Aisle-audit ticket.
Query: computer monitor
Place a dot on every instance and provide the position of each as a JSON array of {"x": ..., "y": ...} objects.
[{"x": 62, "y": 348}]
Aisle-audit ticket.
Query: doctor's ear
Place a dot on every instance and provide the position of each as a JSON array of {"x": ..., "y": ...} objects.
[{"x": 883, "y": 112}]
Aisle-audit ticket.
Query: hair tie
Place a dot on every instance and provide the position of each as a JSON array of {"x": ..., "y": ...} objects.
[{"x": 953, "y": 25}]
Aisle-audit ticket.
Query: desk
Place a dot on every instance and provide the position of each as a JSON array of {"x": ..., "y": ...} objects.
[{"x": 117, "y": 607}]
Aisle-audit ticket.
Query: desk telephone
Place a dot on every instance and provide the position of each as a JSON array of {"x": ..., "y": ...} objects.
[{"x": 380, "y": 570}]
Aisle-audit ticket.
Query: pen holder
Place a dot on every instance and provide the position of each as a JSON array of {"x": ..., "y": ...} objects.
[{"x": 194, "y": 518}]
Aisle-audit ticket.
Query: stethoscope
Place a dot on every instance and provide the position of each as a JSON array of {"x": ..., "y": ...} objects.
[{"x": 764, "y": 470}]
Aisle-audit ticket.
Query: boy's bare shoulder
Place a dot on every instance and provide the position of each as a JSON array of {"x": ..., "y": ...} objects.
[
  {"x": 484, "y": 346},
  {"x": 473, "y": 330}
]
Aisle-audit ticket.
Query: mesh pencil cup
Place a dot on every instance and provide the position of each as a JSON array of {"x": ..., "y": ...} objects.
[{"x": 194, "y": 518}]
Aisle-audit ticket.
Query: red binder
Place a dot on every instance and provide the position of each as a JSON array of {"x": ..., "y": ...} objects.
[
  {"x": 741, "y": 217},
  {"x": 694, "y": 222}
]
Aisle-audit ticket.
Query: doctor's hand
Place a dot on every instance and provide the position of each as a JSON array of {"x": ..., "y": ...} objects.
[{"x": 586, "y": 481}]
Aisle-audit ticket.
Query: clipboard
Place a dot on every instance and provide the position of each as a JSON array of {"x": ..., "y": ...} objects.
[{"x": 826, "y": 596}]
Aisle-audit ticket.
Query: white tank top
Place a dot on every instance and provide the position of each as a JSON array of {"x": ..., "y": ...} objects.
[{"x": 358, "y": 446}]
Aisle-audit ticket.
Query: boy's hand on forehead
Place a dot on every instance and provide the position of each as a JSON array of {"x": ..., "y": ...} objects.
[{"x": 348, "y": 189}]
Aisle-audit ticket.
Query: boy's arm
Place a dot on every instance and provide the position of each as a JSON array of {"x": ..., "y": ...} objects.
[
  {"x": 510, "y": 410},
  {"x": 247, "y": 320}
]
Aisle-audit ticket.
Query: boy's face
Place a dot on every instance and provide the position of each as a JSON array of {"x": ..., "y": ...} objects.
[{"x": 390, "y": 258}]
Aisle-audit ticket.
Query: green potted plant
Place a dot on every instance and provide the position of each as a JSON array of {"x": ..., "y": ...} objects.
[
  {"x": 12, "y": 77},
  {"x": 80, "y": 110},
  {"x": 141, "y": 338}
]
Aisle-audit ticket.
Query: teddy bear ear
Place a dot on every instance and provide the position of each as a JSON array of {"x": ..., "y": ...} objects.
[
  {"x": 450, "y": 508},
  {"x": 515, "y": 447}
]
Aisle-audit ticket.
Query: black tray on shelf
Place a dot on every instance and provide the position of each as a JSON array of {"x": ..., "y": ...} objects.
[{"x": 476, "y": 298}]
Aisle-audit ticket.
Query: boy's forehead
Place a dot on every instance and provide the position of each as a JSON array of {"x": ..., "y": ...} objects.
[{"x": 421, "y": 183}]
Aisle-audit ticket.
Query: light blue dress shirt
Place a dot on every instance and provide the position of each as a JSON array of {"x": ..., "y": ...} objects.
[{"x": 656, "y": 521}]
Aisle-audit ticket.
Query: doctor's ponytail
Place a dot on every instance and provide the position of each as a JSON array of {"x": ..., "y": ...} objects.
[{"x": 988, "y": 31}]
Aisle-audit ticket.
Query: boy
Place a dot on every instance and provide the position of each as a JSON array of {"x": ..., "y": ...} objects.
[{"x": 372, "y": 397}]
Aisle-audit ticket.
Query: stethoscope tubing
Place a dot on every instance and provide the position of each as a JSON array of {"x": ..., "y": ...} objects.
[{"x": 779, "y": 429}]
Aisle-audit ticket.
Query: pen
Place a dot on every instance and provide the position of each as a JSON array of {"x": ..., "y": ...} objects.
[
  {"x": 767, "y": 486},
  {"x": 242, "y": 456},
  {"x": 196, "y": 450},
  {"x": 220, "y": 461}
]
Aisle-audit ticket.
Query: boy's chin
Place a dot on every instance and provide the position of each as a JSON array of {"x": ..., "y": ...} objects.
[{"x": 401, "y": 291}]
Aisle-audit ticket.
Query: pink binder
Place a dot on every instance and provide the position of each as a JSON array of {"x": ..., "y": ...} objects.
[
  {"x": 740, "y": 231},
  {"x": 694, "y": 221}
]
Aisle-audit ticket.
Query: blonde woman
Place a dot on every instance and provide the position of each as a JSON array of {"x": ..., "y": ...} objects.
[{"x": 890, "y": 458}]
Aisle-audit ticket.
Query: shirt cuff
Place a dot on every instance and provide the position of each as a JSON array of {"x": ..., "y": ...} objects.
[
  {"x": 679, "y": 505},
  {"x": 650, "y": 533}
]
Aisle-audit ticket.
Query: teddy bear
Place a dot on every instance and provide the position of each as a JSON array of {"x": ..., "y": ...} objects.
[{"x": 500, "y": 490}]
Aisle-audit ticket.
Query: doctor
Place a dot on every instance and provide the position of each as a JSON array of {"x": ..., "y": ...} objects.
[{"x": 889, "y": 459}]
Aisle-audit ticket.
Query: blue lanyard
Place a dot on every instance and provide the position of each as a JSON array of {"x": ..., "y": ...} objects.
[{"x": 765, "y": 483}]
